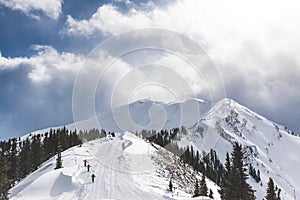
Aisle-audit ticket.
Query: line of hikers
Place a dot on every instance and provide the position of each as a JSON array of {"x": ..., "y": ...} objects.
[{"x": 88, "y": 166}]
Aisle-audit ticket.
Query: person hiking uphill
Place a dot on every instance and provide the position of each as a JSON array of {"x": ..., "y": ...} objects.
[
  {"x": 88, "y": 167},
  {"x": 85, "y": 161},
  {"x": 93, "y": 177}
]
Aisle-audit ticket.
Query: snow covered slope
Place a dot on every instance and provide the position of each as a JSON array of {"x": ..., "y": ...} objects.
[
  {"x": 270, "y": 147},
  {"x": 143, "y": 114},
  {"x": 148, "y": 114},
  {"x": 124, "y": 166}
]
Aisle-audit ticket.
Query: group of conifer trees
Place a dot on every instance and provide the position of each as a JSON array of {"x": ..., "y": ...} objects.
[
  {"x": 201, "y": 189},
  {"x": 234, "y": 184},
  {"x": 232, "y": 178},
  {"x": 255, "y": 174},
  {"x": 206, "y": 163},
  {"x": 273, "y": 192},
  {"x": 19, "y": 157}
]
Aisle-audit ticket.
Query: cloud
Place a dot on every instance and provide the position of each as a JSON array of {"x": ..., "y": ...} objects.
[
  {"x": 254, "y": 45},
  {"x": 45, "y": 64},
  {"x": 51, "y": 8},
  {"x": 36, "y": 91},
  {"x": 108, "y": 20}
]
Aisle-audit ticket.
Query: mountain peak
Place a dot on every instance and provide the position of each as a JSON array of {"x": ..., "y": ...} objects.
[{"x": 268, "y": 146}]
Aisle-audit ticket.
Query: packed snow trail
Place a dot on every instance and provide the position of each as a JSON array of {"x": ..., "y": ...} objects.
[
  {"x": 123, "y": 166},
  {"x": 114, "y": 174}
]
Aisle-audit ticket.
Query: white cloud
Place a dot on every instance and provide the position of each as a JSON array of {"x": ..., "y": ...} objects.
[
  {"x": 51, "y": 8},
  {"x": 254, "y": 44},
  {"x": 45, "y": 65},
  {"x": 244, "y": 37},
  {"x": 247, "y": 35},
  {"x": 108, "y": 20}
]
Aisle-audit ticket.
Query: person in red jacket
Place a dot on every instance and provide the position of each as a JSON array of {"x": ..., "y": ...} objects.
[{"x": 84, "y": 162}]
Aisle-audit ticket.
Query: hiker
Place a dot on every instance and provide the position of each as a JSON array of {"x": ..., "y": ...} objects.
[
  {"x": 85, "y": 161},
  {"x": 93, "y": 177},
  {"x": 88, "y": 167}
]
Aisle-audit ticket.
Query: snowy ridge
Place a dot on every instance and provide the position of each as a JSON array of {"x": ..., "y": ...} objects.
[
  {"x": 270, "y": 147},
  {"x": 142, "y": 114},
  {"x": 124, "y": 169}
]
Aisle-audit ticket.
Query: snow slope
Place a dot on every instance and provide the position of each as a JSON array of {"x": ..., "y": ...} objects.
[
  {"x": 124, "y": 169},
  {"x": 142, "y": 114},
  {"x": 270, "y": 147},
  {"x": 148, "y": 114}
]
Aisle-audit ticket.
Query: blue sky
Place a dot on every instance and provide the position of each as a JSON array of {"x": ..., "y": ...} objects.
[{"x": 254, "y": 46}]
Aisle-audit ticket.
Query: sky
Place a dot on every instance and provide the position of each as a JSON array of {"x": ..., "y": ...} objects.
[{"x": 253, "y": 47}]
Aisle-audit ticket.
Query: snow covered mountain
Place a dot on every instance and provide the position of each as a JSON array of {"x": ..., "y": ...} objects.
[
  {"x": 271, "y": 148},
  {"x": 126, "y": 167}
]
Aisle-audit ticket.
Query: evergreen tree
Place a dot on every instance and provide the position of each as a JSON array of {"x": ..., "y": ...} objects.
[
  {"x": 226, "y": 185},
  {"x": 196, "y": 191},
  {"x": 58, "y": 164},
  {"x": 4, "y": 182},
  {"x": 36, "y": 152},
  {"x": 50, "y": 144},
  {"x": 241, "y": 189},
  {"x": 170, "y": 186},
  {"x": 24, "y": 157},
  {"x": 278, "y": 194},
  {"x": 13, "y": 172},
  {"x": 258, "y": 176},
  {"x": 63, "y": 138},
  {"x": 197, "y": 159},
  {"x": 192, "y": 159},
  {"x": 211, "y": 194},
  {"x": 47, "y": 147},
  {"x": 254, "y": 174},
  {"x": 234, "y": 185},
  {"x": 271, "y": 195},
  {"x": 203, "y": 187}
]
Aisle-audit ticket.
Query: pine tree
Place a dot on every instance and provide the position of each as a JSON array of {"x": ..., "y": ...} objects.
[
  {"x": 203, "y": 187},
  {"x": 197, "y": 159},
  {"x": 4, "y": 182},
  {"x": 63, "y": 138},
  {"x": 24, "y": 157},
  {"x": 241, "y": 189},
  {"x": 13, "y": 172},
  {"x": 278, "y": 194},
  {"x": 226, "y": 184},
  {"x": 36, "y": 152},
  {"x": 170, "y": 186},
  {"x": 196, "y": 191},
  {"x": 58, "y": 159},
  {"x": 192, "y": 162},
  {"x": 258, "y": 176},
  {"x": 271, "y": 195},
  {"x": 211, "y": 194},
  {"x": 234, "y": 185}
]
